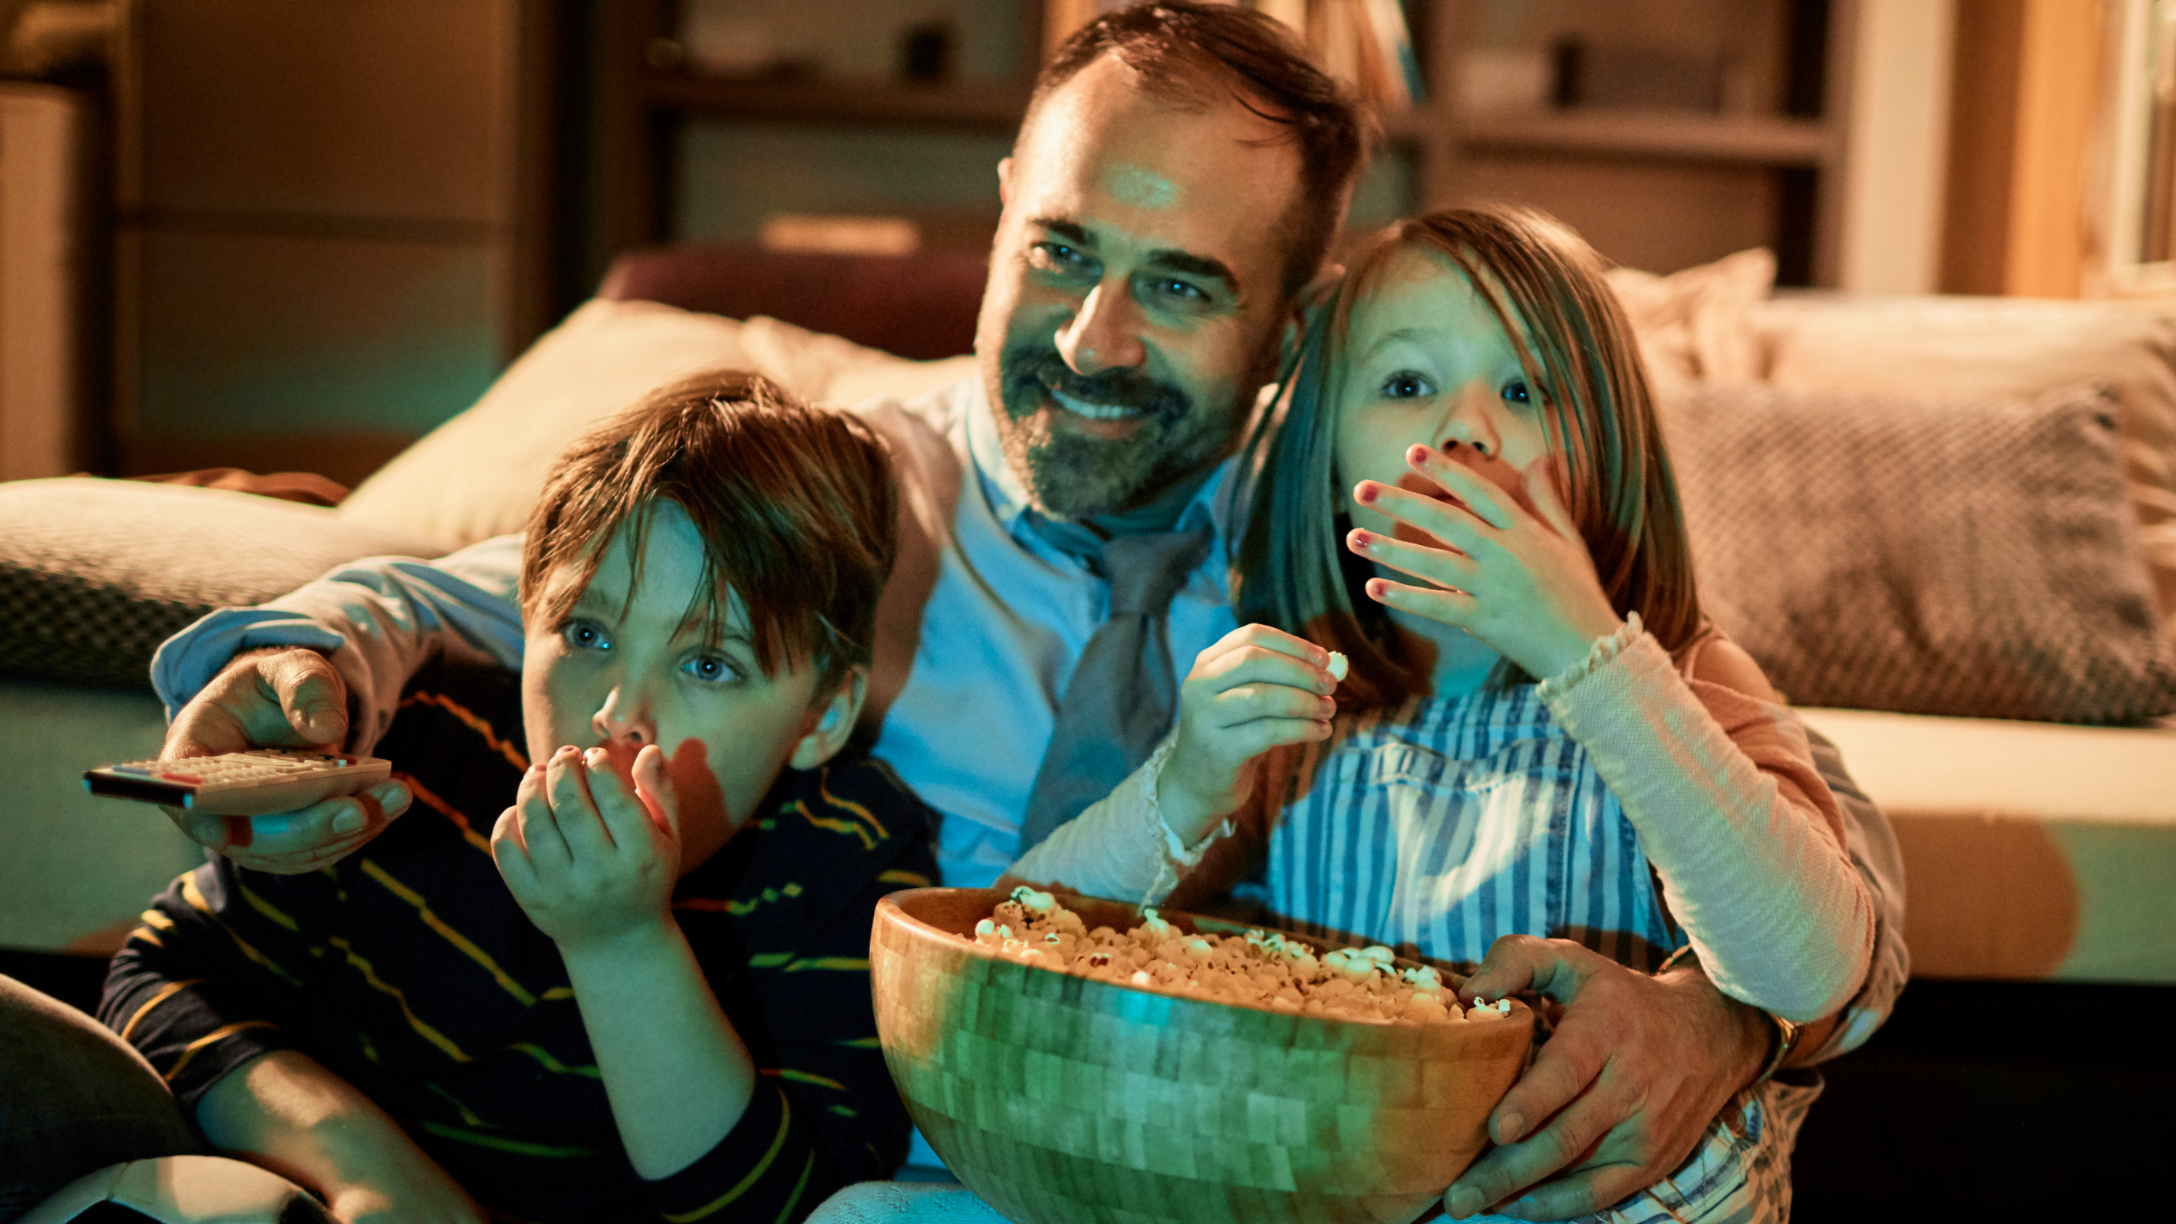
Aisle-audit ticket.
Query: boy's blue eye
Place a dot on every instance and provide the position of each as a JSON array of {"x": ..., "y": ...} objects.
[
  {"x": 585, "y": 635},
  {"x": 1405, "y": 384}
]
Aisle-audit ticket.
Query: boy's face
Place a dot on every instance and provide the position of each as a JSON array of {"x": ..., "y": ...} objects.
[{"x": 627, "y": 667}]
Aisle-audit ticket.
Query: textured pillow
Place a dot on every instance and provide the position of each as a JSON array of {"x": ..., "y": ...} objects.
[
  {"x": 1926, "y": 556},
  {"x": 94, "y": 574},
  {"x": 1988, "y": 347},
  {"x": 1698, "y": 323}
]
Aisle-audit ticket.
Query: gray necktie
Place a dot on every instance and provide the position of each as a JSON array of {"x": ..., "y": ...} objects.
[{"x": 1123, "y": 694}]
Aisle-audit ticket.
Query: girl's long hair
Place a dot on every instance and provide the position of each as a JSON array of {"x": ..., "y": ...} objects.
[{"x": 1545, "y": 286}]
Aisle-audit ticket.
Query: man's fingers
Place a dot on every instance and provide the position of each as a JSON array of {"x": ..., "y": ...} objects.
[
  {"x": 1577, "y": 1194},
  {"x": 310, "y": 693},
  {"x": 1563, "y": 1068},
  {"x": 1511, "y": 1170},
  {"x": 305, "y": 839},
  {"x": 1556, "y": 967}
]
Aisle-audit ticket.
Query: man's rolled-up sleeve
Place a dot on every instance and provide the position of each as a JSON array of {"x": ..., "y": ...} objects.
[{"x": 378, "y": 619}]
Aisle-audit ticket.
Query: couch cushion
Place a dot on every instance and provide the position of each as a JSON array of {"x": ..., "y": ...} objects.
[
  {"x": 95, "y": 573},
  {"x": 2030, "y": 851},
  {"x": 1978, "y": 347},
  {"x": 1932, "y": 556},
  {"x": 476, "y": 476},
  {"x": 1698, "y": 323}
]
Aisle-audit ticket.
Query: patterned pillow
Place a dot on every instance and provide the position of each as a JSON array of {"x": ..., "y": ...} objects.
[
  {"x": 1926, "y": 556},
  {"x": 94, "y": 574}
]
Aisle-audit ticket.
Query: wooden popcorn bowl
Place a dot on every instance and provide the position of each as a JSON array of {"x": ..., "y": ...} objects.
[{"x": 1063, "y": 1100}]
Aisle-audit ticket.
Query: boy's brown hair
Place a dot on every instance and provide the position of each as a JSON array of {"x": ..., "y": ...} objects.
[
  {"x": 1545, "y": 286},
  {"x": 795, "y": 506}
]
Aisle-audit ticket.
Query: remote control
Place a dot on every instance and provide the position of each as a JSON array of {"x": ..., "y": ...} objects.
[{"x": 252, "y": 783}]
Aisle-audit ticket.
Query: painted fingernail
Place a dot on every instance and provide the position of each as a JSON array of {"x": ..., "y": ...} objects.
[
  {"x": 1417, "y": 455},
  {"x": 1362, "y": 541},
  {"x": 1378, "y": 589},
  {"x": 349, "y": 820},
  {"x": 1510, "y": 1127},
  {"x": 1365, "y": 494}
]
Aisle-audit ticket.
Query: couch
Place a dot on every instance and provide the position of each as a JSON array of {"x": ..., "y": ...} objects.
[{"x": 1946, "y": 526}]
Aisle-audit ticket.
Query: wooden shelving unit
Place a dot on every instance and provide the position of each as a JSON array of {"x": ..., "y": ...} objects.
[{"x": 645, "y": 96}]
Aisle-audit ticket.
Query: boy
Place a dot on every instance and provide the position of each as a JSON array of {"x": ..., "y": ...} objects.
[{"x": 643, "y": 993}]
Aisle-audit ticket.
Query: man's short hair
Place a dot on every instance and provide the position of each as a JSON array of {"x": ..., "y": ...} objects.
[
  {"x": 1257, "y": 60},
  {"x": 795, "y": 506}
]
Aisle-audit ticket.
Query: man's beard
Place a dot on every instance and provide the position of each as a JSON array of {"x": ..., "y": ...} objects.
[{"x": 1077, "y": 476}]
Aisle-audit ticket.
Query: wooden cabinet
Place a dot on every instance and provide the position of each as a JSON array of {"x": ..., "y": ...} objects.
[{"x": 327, "y": 224}]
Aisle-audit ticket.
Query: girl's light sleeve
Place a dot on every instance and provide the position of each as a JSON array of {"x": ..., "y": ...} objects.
[{"x": 1743, "y": 833}]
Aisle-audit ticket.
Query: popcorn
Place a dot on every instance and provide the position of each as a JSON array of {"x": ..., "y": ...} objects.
[
  {"x": 1338, "y": 666},
  {"x": 1263, "y": 969}
]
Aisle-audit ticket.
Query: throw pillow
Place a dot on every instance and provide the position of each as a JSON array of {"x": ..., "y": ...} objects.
[
  {"x": 1983, "y": 347},
  {"x": 1958, "y": 556},
  {"x": 94, "y": 574},
  {"x": 1698, "y": 323},
  {"x": 476, "y": 476}
]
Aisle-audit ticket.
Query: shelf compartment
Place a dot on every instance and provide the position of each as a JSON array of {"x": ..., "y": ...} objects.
[{"x": 1636, "y": 135}]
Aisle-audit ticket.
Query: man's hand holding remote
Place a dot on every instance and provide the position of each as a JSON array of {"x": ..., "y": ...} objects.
[{"x": 278, "y": 698}]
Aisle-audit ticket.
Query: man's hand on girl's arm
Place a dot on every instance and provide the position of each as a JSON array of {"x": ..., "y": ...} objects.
[
  {"x": 593, "y": 864},
  {"x": 288, "y": 1113},
  {"x": 278, "y": 698},
  {"x": 1637, "y": 1069}
]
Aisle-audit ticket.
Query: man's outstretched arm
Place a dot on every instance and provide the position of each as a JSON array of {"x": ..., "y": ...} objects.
[{"x": 325, "y": 665}]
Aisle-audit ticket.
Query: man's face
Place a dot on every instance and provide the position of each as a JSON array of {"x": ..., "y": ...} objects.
[{"x": 1136, "y": 289}]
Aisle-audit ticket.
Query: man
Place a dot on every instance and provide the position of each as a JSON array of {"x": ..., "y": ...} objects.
[{"x": 1167, "y": 209}]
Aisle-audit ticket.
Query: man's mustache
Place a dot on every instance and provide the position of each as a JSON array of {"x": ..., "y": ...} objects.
[{"x": 1029, "y": 369}]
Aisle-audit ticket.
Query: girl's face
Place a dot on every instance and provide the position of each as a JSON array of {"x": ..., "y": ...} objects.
[
  {"x": 628, "y": 666},
  {"x": 1426, "y": 363}
]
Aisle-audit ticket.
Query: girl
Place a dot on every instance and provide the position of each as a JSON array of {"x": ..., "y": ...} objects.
[{"x": 1540, "y": 734}]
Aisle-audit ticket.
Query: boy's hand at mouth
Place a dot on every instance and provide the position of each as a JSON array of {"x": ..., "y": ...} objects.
[{"x": 591, "y": 853}]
